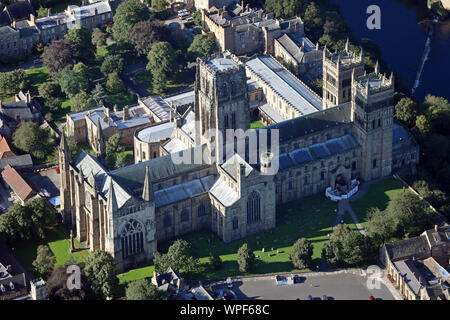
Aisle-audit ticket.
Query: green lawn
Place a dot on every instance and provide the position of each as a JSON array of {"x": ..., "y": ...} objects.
[
  {"x": 57, "y": 241},
  {"x": 256, "y": 125},
  {"x": 37, "y": 77},
  {"x": 379, "y": 195},
  {"x": 310, "y": 218}
]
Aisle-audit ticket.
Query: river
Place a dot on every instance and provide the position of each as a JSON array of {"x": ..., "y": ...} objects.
[{"x": 403, "y": 38}]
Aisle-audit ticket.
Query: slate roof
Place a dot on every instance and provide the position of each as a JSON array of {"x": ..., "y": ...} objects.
[
  {"x": 313, "y": 123},
  {"x": 13, "y": 109},
  {"x": 156, "y": 133},
  {"x": 291, "y": 47},
  {"x": 408, "y": 247},
  {"x": 231, "y": 166},
  {"x": 17, "y": 183},
  {"x": 222, "y": 192},
  {"x": 411, "y": 275},
  {"x": 23, "y": 160},
  {"x": 317, "y": 151},
  {"x": 16, "y": 11},
  {"x": 298, "y": 94},
  {"x": 158, "y": 106}
]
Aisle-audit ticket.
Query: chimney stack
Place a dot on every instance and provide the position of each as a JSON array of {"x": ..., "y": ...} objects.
[
  {"x": 436, "y": 229},
  {"x": 108, "y": 113},
  {"x": 95, "y": 11}
]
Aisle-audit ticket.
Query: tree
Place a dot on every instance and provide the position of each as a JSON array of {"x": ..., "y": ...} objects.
[
  {"x": 57, "y": 285},
  {"x": 423, "y": 124},
  {"x": 146, "y": 33},
  {"x": 159, "y": 4},
  {"x": 121, "y": 161},
  {"x": 380, "y": 226},
  {"x": 245, "y": 258},
  {"x": 214, "y": 261},
  {"x": 23, "y": 222},
  {"x": 101, "y": 275},
  {"x": 31, "y": 139},
  {"x": 114, "y": 146},
  {"x": 197, "y": 17},
  {"x": 98, "y": 37},
  {"x": 202, "y": 46},
  {"x": 301, "y": 254},
  {"x": 408, "y": 213},
  {"x": 82, "y": 39},
  {"x": 179, "y": 257},
  {"x": 14, "y": 81},
  {"x": 50, "y": 89},
  {"x": 114, "y": 84},
  {"x": 99, "y": 95},
  {"x": 45, "y": 261},
  {"x": 313, "y": 21},
  {"x": 348, "y": 247},
  {"x": 73, "y": 82},
  {"x": 81, "y": 101},
  {"x": 162, "y": 63},
  {"x": 59, "y": 54},
  {"x": 406, "y": 111},
  {"x": 143, "y": 289},
  {"x": 112, "y": 63},
  {"x": 128, "y": 13}
]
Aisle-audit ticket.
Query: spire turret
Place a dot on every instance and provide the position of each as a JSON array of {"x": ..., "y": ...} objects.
[
  {"x": 147, "y": 191},
  {"x": 111, "y": 205}
]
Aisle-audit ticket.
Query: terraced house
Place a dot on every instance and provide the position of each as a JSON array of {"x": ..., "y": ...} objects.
[{"x": 194, "y": 184}]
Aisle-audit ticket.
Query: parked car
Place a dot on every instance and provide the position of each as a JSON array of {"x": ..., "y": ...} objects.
[{"x": 57, "y": 170}]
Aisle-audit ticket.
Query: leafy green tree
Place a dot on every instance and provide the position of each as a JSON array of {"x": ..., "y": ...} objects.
[
  {"x": 179, "y": 257},
  {"x": 406, "y": 111},
  {"x": 120, "y": 162},
  {"x": 31, "y": 139},
  {"x": 101, "y": 275},
  {"x": 81, "y": 101},
  {"x": 162, "y": 63},
  {"x": 143, "y": 289},
  {"x": 380, "y": 226},
  {"x": 197, "y": 17},
  {"x": 49, "y": 89},
  {"x": 99, "y": 95},
  {"x": 112, "y": 63},
  {"x": 214, "y": 261},
  {"x": 146, "y": 33},
  {"x": 245, "y": 258},
  {"x": 202, "y": 46},
  {"x": 73, "y": 82},
  {"x": 408, "y": 213},
  {"x": 128, "y": 13},
  {"x": 58, "y": 55},
  {"x": 82, "y": 39},
  {"x": 313, "y": 21},
  {"x": 14, "y": 81},
  {"x": 159, "y": 4},
  {"x": 113, "y": 147},
  {"x": 301, "y": 254},
  {"x": 45, "y": 261},
  {"x": 98, "y": 38},
  {"x": 423, "y": 124},
  {"x": 114, "y": 84},
  {"x": 348, "y": 248}
]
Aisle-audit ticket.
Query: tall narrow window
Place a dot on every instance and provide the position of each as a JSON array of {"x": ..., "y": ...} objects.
[{"x": 253, "y": 208}]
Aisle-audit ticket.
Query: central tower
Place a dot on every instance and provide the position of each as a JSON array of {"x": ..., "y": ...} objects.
[{"x": 221, "y": 100}]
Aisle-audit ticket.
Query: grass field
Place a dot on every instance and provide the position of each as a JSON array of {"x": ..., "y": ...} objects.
[
  {"x": 57, "y": 240},
  {"x": 378, "y": 196},
  {"x": 310, "y": 218},
  {"x": 256, "y": 124},
  {"x": 37, "y": 77}
]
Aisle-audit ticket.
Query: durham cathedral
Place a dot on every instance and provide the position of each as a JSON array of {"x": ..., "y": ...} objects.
[{"x": 347, "y": 135}]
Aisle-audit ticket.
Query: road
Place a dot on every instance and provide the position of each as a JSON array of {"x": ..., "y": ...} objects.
[{"x": 341, "y": 285}]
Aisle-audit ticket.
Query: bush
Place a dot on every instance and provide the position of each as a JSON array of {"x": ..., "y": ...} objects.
[{"x": 245, "y": 258}]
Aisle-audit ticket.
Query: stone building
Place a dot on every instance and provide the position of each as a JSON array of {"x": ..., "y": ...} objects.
[
  {"x": 301, "y": 53},
  {"x": 248, "y": 32},
  {"x": 337, "y": 75},
  {"x": 197, "y": 184},
  {"x": 419, "y": 267},
  {"x": 20, "y": 37}
]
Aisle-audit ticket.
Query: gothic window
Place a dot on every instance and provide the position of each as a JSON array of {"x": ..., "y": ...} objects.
[
  {"x": 353, "y": 165},
  {"x": 224, "y": 90},
  {"x": 233, "y": 88},
  {"x": 233, "y": 120},
  {"x": 305, "y": 180},
  {"x": 290, "y": 185},
  {"x": 374, "y": 163},
  {"x": 184, "y": 215},
  {"x": 201, "y": 211},
  {"x": 226, "y": 122},
  {"x": 253, "y": 208},
  {"x": 167, "y": 222},
  {"x": 235, "y": 223},
  {"x": 132, "y": 238},
  {"x": 322, "y": 176}
]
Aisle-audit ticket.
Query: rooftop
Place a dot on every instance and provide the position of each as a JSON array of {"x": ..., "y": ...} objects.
[
  {"x": 17, "y": 183},
  {"x": 294, "y": 91},
  {"x": 156, "y": 133}
]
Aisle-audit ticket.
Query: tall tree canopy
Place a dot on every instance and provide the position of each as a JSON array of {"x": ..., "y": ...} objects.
[
  {"x": 128, "y": 13},
  {"x": 146, "y": 33},
  {"x": 59, "y": 54}
]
